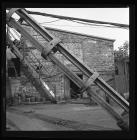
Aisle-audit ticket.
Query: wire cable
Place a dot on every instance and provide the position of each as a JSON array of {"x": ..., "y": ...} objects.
[
  {"x": 50, "y": 21},
  {"x": 96, "y": 24},
  {"x": 93, "y": 26},
  {"x": 89, "y": 24},
  {"x": 85, "y": 23},
  {"x": 118, "y": 25}
]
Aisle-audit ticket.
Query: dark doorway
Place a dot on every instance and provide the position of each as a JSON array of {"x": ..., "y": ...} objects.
[
  {"x": 17, "y": 65},
  {"x": 11, "y": 72},
  {"x": 14, "y": 67},
  {"x": 75, "y": 90}
]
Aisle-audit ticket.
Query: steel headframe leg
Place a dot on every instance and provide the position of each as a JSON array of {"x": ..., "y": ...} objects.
[{"x": 70, "y": 74}]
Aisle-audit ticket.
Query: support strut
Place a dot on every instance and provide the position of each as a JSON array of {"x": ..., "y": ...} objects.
[
  {"x": 79, "y": 64},
  {"x": 93, "y": 77}
]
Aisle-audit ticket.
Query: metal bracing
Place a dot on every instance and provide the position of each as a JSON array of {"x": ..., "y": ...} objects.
[
  {"x": 33, "y": 76},
  {"x": 98, "y": 81},
  {"x": 85, "y": 69}
]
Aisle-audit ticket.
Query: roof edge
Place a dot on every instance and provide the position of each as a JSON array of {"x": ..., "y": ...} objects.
[{"x": 76, "y": 33}]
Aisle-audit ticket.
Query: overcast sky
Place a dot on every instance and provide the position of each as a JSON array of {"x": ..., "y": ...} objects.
[{"x": 116, "y": 15}]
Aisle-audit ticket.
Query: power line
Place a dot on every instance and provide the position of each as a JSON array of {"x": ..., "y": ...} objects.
[
  {"x": 91, "y": 24},
  {"x": 79, "y": 19},
  {"x": 50, "y": 21},
  {"x": 79, "y": 23}
]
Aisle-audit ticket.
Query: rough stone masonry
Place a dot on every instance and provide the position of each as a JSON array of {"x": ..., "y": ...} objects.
[{"x": 95, "y": 52}]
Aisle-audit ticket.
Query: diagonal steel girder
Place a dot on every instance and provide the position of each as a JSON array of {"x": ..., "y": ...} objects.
[
  {"x": 70, "y": 74},
  {"x": 35, "y": 81},
  {"x": 114, "y": 95}
]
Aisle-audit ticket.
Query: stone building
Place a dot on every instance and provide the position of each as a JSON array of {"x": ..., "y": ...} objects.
[{"x": 95, "y": 52}]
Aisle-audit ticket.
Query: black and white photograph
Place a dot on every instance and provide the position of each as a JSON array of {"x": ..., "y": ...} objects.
[{"x": 67, "y": 69}]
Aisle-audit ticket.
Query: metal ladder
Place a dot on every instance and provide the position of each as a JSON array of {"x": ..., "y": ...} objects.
[{"x": 55, "y": 45}]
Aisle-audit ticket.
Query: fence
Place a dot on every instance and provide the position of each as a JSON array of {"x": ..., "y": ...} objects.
[{"x": 121, "y": 83}]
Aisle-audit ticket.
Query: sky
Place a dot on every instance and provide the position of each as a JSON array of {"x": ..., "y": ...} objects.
[{"x": 116, "y": 15}]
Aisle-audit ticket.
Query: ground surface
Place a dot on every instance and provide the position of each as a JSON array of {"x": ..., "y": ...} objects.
[{"x": 51, "y": 117}]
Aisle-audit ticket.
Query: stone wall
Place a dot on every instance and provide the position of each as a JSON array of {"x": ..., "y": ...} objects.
[{"x": 96, "y": 53}]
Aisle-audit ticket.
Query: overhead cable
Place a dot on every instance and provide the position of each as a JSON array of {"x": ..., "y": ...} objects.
[{"x": 79, "y": 19}]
